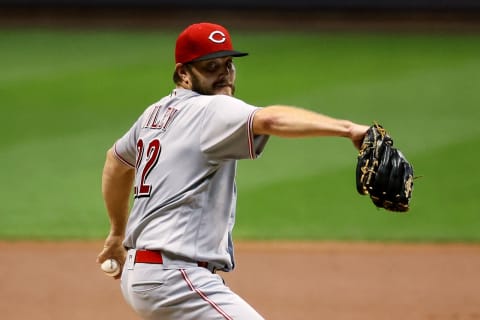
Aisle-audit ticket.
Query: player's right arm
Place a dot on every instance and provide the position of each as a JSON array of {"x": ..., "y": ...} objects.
[
  {"x": 117, "y": 183},
  {"x": 287, "y": 121}
]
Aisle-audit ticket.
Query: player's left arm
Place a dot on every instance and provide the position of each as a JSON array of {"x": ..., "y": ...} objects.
[
  {"x": 117, "y": 182},
  {"x": 292, "y": 122}
]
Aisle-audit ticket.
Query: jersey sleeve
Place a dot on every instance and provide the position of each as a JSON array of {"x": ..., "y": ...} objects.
[
  {"x": 227, "y": 131},
  {"x": 125, "y": 148}
]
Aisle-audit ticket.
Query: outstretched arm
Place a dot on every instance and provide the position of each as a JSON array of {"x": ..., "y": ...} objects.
[
  {"x": 287, "y": 121},
  {"x": 117, "y": 182}
]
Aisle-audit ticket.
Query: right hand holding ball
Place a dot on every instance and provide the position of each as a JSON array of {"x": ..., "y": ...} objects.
[{"x": 111, "y": 267}]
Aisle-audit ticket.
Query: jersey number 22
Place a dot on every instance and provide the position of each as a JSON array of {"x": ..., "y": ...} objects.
[{"x": 142, "y": 189}]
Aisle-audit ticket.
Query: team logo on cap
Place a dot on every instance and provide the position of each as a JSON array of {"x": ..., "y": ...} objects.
[{"x": 217, "y": 37}]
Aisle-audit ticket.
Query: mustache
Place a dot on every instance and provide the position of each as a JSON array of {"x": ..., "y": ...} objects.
[{"x": 222, "y": 84}]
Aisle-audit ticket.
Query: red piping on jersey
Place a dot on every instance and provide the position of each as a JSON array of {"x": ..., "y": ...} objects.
[
  {"x": 250, "y": 135},
  {"x": 119, "y": 157},
  {"x": 203, "y": 295}
]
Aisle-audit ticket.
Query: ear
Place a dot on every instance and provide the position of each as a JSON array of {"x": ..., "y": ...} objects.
[{"x": 183, "y": 74}]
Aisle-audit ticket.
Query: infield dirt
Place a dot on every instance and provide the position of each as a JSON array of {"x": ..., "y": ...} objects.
[{"x": 314, "y": 280}]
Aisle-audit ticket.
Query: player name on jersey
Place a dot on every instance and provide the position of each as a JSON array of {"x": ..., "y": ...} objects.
[{"x": 157, "y": 121}]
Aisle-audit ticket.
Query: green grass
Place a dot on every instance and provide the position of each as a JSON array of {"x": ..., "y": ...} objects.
[{"x": 67, "y": 95}]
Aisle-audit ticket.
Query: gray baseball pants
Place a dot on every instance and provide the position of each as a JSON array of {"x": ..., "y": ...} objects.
[{"x": 183, "y": 292}]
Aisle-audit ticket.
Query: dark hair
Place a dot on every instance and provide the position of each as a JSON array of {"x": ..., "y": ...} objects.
[{"x": 176, "y": 77}]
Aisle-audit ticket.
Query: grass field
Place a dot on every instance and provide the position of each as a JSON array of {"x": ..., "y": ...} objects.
[{"x": 67, "y": 95}]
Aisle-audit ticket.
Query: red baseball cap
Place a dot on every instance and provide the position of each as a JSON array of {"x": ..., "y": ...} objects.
[{"x": 202, "y": 41}]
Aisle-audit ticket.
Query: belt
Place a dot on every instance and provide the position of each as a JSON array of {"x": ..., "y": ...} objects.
[{"x": 155, "y": 257}]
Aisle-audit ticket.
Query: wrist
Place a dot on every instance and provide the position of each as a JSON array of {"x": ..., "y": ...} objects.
[
  {"x": 116, "y": 234},
  {"x": 347, "y": 129}
]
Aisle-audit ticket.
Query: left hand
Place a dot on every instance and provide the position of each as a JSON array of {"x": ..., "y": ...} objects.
[{"x": 357, "y": 133}]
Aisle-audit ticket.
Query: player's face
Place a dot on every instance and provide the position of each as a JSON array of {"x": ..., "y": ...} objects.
[{"x": 214, "y": 76}]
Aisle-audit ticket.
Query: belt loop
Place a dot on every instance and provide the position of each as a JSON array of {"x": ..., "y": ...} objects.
[{"x": 130, "y": 262}]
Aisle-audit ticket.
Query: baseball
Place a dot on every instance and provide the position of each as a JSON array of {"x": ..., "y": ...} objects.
[{"x": 111, "y": 267}]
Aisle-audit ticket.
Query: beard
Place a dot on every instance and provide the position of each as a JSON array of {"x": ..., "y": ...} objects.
[{"x": 215, "y": 88}]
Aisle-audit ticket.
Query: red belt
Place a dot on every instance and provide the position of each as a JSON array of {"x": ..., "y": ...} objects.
[{"x": 155, "y": 257}]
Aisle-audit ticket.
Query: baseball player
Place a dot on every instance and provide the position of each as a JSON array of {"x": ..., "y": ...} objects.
[{"x": 179, "y": 158}]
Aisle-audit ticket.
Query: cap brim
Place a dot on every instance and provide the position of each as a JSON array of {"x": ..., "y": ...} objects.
[{"x": 220, "y": 54}]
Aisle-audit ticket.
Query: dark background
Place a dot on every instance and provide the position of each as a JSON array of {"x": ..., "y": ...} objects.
[
  {"x": 429, "y": 15},
  {"x": 270, "y": 4}
]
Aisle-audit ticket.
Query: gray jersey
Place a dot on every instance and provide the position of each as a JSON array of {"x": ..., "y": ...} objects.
[{"x": 184, "y": 149}]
